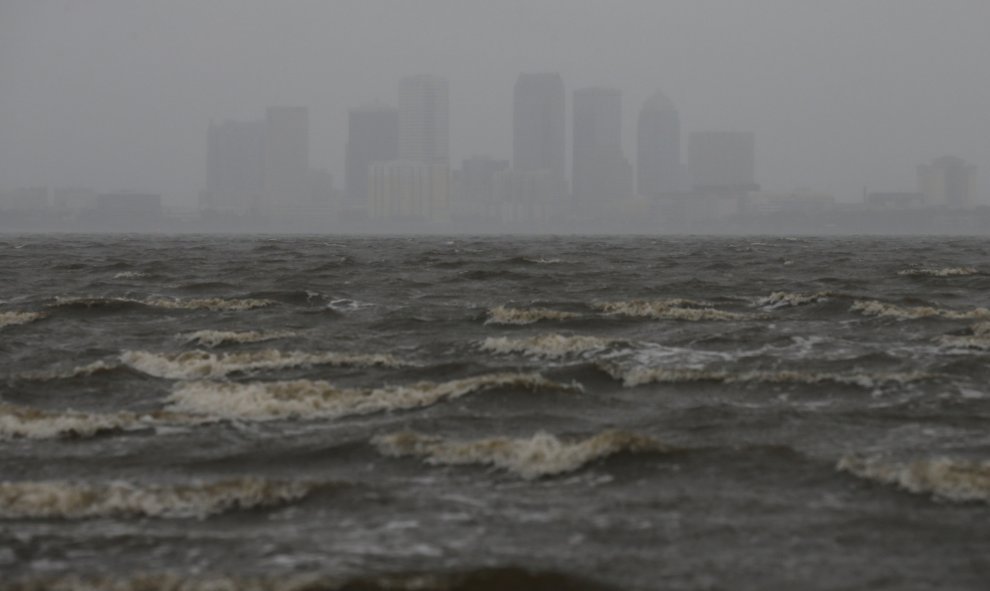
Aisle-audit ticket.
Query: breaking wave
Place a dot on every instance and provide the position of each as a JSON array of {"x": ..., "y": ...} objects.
[
  {"x": 520, "y": 316},
  {"x": 211, "y": 304},
  {"x": 945, "y": 478},
  {"x": 876, "y": 308},
  {"x": 672, "y": 309},
  {"x": 65, "y": 374},
  {"x": 540, "y": 455},
  {"x": 942, "y": 272},
  {"x": 15, "y": 318},
  {"x": 75, "y": 500},
  {"x": 639, "y": 375},
  {"x": 189, "y": 365},
  {"x": 550, "y": 346},
  {"x": 31, "y": 423},
  {"x": 785, "y": 299},
  {"x": 318, "y": 399},
  {"x": 215, "y": 338},
  {"x": 979, "y": 338}
]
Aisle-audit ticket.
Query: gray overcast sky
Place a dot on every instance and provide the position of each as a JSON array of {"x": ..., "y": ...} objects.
[{"x": 842, "y": 94}]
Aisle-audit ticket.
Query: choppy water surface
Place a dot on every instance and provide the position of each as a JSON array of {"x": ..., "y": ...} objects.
[{"x": 433, "y": 413}]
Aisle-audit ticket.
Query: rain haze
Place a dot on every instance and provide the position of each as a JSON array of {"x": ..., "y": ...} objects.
[{"x": 842, "y": 98}]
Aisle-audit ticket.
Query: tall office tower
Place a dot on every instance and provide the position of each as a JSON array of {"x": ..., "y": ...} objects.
[
  {"x": 235, "y": 163},
  {"x": 287, "y": 159},
  {"x": 424, "y": 119},
  {"x": 372, "y": 136},
  {"x": 722, "y": 162},
  {"x": 948, "y": 181},
  {"x": 658, "y": 155},
  {"x": 539, "y": 122},
  {"x": 601, "y": 175}
]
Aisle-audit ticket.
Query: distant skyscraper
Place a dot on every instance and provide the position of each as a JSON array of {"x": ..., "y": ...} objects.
[
  {"x": 948, "y": 181},
  {"x": 658, "y": 155},
  {"x": 372, "y": 136},
  {"x": 287, "y": 159},
  {"x": 539, "y": 122},
  {"x": 722, "y": 161},
  {"x": 601, "y": 174},
  {"x": 424, "y": 119},
  {"x": 235, "y": 164}
]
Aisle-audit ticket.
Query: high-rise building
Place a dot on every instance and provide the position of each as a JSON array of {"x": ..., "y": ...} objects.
[
  {"x": 372, "y": 136},
  {"x": 658, "y": 154},
  {"x": 948, "y": 181},
  {"x": 601, "y": 175},
  {"x": 287, "y": 159},
  {"x": 235, "y": 165},
  {"x": 722, "y": 161},
  {"x": 538, "y": 124},
  {"x": 424, "y": 119}
]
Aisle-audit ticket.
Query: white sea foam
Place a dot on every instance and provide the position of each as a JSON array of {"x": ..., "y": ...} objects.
[
  {"x": 882, "y": 309},
  {"x": 30, "y": 423},
  {"x": 784, "y": 299},
  {"x": 130, "y": 275},
  {"x": 212, "y": 304},
  {"x": 540, "y": 455},
  {"x": 978, "y": 339},
  {"x": 65, "y": 374},
  {"x": 75, "y": 500},
  {"x": 946, "y": 478},
  {"x": 940, "y": 272},
  {"x": 549, "y": 346},
  {"x": 318, "y": 399},
  {"x": 15, "y": 318},
  {"x": 669, "y": 309},
  {"x": 519, "y": 316},
  {"x": 215, "y": 338},
  {"x": 189, "y": 365},
  {"x": 637, "y": 375}
]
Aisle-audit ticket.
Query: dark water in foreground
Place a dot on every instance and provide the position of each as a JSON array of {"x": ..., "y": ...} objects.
[{"x": 631, "y": 413}]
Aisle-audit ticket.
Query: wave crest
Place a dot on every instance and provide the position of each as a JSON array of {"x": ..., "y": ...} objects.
[
  {"x": 16, "y": 318},
  {"x": 550, "y": 346},
  {"x": 882, "y": 309},
  {"x": 534, "y": 457},
  {"x": 189, "y": 365},
  {"x": 521, "y": 316},
  {"x": 939, "y": 272},
  {"x": 215, "y": 338},
  {"x": 70, "y": 500},
  {"x": 946, "y": 478},
  {"x": 65, "y": 374},
  {"x": 670, "y": 309},
  {"x": 785, "y": 299},
  {"x": 638, "y": 375},
  {"x": 211, "y": 304},
  {"x": 318, "y": 399},
  {"x": 30, "y": 423}
]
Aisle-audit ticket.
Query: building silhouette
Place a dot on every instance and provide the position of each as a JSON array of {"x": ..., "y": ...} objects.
[
  {"x": 658, "y": 142},
  {"x": 424, "y": 119},
  {"x": 539, "y": 124},
  {"x": 601, "y": 175},
  {"x": 372, "y": 136},
  {"x": 948, "y": 181}
]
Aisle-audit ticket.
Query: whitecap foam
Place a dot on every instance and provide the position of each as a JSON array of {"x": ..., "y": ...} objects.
[
  {"x": 637, "y": 375},
  {"x": 212, "y": 304},
  {"x": 669, "y": 309},
  {"x": 979, "y": 338},
  {"x": 76, "y": 500},
  {"x": 319, "y": 399},
  {"x": 940, "y": 272},
  {"x": 945, "y": 478},
  {"x": 548, "y": 346},
  {"x": 16, "y": 318},
  {"x": 215, "y": 338},
  {"x": 130, "y": 275},
  {"x": 189, "y": 365},
  {"x": 534, "y": 457},
  {"x": 31, "y": 423},
  {"x": 785, "y": 299},
  {"x": 520, "y": 316},
  {"x": 882, "y": 309},
  {"x": 65, "y": 374}
]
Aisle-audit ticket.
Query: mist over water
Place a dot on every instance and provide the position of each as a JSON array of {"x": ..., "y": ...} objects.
[{"x": 551, "y": 413}]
